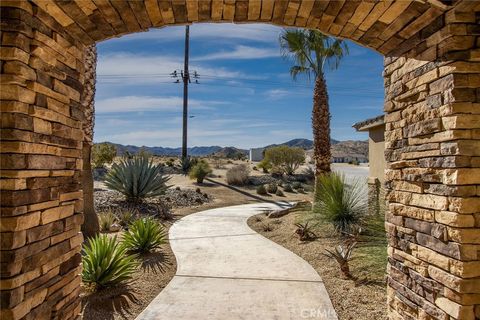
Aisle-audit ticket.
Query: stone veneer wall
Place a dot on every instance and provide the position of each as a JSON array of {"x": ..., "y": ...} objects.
[
  {"x": 41, "y": 161},
  {"x": 433, "y": 173},
  {"x": 432, "y": 139}
]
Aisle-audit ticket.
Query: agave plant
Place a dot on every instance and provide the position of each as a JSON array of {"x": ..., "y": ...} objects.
[
  {"x": 137, "y": 178},
  {"x": 106, "y": 262},
  {"x": 337, "y": 202},
  {"x": 343, "y": 255},
  {"x": 144, "y": 235},
  {"x": 305, "y": 231}
]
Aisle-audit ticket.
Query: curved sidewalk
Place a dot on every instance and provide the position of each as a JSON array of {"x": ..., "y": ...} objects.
[{"x": 225, "y": 270}]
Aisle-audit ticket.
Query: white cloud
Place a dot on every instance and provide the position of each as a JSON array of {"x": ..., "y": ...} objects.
[
  {"x": 251, "y": 32},
  {"x": 126, "y": 68},
  {"x": 240, "y": 53},
  {"x": 149, "y": 103},
  {"x": 276, "y": 93}
]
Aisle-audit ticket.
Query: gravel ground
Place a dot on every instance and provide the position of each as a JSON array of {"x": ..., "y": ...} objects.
[{"x": 361, "y": 298}]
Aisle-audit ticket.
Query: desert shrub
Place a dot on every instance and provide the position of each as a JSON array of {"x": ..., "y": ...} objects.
[
  {"x": 280, "y": 193},
  {"x": 144, "y": 235},
  {"x": 238, "y": 175},
  {"x": 301, "y": 190},
  {"x": 355, "y": 162},
  {"x": 285, "y": 159},
  {"x": 137, "y": 178},
  {"x": 102, "y": 154},
  {"x": 338, "y": 203},
  {"x": 267, "y": 227},
  {"x": 126, "y": 217},
  {"x": 272, "y": 188},
  {"x": 169, "y": 163},
  {"x": 305, "y": 231},
  {"x": 255, "y": 168},
  {"x": 309, "y": 172},
  {"x": 262, "y": 190},
  {"x": 200, "y": 170},
  {"x": 288, "y": 188},
  {"x": 296, "y": 185},
  {"x": 265, "y": 165},
  {"x": 143, "y": 152},
  {"x": 106, "y": 220},
  {"x": 106, "y": 262}
]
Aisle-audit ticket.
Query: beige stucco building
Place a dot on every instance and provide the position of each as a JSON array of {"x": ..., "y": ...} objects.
[{"x": 376, "y": 154}]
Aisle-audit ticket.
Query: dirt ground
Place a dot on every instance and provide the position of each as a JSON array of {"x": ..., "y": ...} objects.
[
  {"x": 158, "y": 268},
  {"x": 360, "y": 298}
]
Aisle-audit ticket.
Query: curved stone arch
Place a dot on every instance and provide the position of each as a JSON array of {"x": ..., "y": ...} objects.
[{"x": 432, "y": 103}]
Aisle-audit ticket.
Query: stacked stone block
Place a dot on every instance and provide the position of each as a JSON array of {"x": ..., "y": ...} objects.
[
  {"x": 41, "y": 131},
  {"x": 433, "y": 176}
]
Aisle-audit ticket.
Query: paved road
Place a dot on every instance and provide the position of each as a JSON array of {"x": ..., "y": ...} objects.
[{"x": 225, "y": 270}]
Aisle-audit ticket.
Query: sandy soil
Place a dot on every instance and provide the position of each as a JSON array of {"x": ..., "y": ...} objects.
[{"x": 361, "y": 298}]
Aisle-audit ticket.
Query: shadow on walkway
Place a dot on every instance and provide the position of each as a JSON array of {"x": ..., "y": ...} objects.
[{"x": 282, "y": 204}]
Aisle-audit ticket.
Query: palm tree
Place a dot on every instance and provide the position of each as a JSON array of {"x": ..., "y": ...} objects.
[
  {"x": 90, "y": 226},
  {"x": 311, "y": 52}
]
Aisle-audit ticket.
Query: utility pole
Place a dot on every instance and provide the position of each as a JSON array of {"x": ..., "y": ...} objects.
[
  {"x": 185, "y": 74},
  {"x": 186, "y": 79}
]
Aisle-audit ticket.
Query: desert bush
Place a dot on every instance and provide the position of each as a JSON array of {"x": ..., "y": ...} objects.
[
  {"x": 144, "y": 235},
  {"x": 255, "y": 168},
  {"x": 272, "y": 188},
  {"x": 102, "y": 154},
  {"x": 187, "y": 164},
  {"x": 343, "y": 255},
  {"x": 200, "y": 170},
  {"x": 338, "y": 203},
  {"x": 296, "y": 185},
  {"x": 301, "y": 190},
  {"x": 106, "y": 262},
  {"x": 309, "y": 172},
  {"x": 355, "y": 162},
  {"x": 267, "y": 227},
  {"x": 280, "y": 193},
  {"x": 137, "y": 178},
  {"x": 265, "y": 165},
  {"x": 106, "y": 220},
  {"x": 285, "y": 159},
  {"x": 238, "y": 175},
  {"x": 288, "y": 188},
  {"x": 262, "y": 190},
  {"x": 126, "y": 217}
]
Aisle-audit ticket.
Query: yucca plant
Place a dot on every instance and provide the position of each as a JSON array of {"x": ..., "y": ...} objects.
[
  {"x": 106, "y": 220},
  {"x": 126, "y": 217},
  {"x": 337, "y": 202},
  {"x": 200, "y": 170},
  {"x": 305, "y": 231},
  {"x": 144, "y": 235},
  {"x": 343, "y": 255},
  {"x": 137, "y": 178},
  {"x": 106, "y": 262}
]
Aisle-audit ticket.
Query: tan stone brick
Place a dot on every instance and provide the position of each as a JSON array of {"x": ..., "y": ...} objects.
[
  {"x": 455, "y": 219},
  {"x": 432, "y": 257},
  {"x": 461, "y": 298},
  {"x": 71, "y": 196},
  {"x": 461, "y": 122},
  {"x": 12, "y": 53},
  {"x": 465, "y": 269},
  {"x": 19, "y": 223},
  {"x": 56, "y": 213},
  {"x": 443, "y": 136},
  {"x": 461, "y": 176},
  {"x": 464, "y": 205},
  {"x": 18, "y": 93},
  {"x": 13, "y": 240},
  {"x": 21, "y": 279},
  {"x": 13, "y": 184},
  {"x": 37, "y": 87},
  {"x": 453, "y": 282},
  {"x": 43, "y": 205},
  {"x": 24, "y": 173},
  {"x": 464, "y": 235},
  {"x": 455, "y": 310}
]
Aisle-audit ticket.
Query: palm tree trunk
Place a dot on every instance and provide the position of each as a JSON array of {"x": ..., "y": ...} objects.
[
  {"x": 90, "y": 225},
  {"x": 321, "y": 127}
]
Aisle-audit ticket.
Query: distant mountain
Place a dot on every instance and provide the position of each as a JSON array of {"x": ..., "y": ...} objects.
[
  {"x": 350, "y": 148},
  {"x": 305, "y": 144},
  {"x": 165, "y": 151},
  {"x": 230, "y": 153}
]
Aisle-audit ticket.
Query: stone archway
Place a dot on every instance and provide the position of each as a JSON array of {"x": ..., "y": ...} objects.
[{"x": 432, "y": 105}]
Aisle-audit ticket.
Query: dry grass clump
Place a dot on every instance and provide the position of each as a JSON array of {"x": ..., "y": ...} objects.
[{"x": 238, "y": 175}]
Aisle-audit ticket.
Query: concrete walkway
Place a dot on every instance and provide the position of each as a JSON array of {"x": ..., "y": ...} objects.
[{"x": 225, "y": 270}]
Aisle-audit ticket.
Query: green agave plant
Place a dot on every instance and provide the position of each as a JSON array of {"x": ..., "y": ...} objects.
[
  {"x": 144, "y": 235},
  {"x": 137, "y": 178},
  {"x": 106, "y": 262}
]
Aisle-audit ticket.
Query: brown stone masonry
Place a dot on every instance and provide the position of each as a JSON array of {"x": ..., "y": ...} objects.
[{"x": 432, "y": 105}]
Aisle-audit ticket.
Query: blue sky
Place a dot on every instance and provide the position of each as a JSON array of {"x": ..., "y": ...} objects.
[{"x": 245, "y": 98}]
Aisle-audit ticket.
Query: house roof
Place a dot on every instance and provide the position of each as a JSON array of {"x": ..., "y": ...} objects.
[{"x": 366, "y": 125}]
